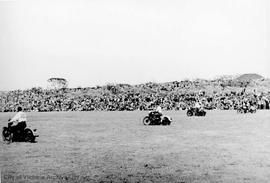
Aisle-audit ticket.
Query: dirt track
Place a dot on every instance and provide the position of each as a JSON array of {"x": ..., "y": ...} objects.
[{"x": 116, "y": 147}]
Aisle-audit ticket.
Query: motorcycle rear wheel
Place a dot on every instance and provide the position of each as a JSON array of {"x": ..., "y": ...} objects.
[
  {"x": 6, "y": 135},
  {"x": 189, "y": 113}
]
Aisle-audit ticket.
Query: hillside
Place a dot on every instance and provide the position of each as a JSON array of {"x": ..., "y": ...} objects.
[
  {"x": 217, "y": 94},
  {"x": 247, "y": 77}
]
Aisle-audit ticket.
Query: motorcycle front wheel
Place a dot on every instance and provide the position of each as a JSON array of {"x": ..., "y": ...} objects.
[
  {"x": 29, "y": 136},
  {"x": 203, "y": 113},
  {"x": 167, "y": 122},
  {"x": 239, "y": 111},
  {"x": 146, "y": 120}
]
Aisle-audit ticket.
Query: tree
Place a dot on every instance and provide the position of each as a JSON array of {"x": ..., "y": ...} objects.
[{"x": 57, "y": 83}]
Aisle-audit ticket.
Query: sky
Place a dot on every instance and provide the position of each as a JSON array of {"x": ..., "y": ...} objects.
[{"x": 96, "y": 42}]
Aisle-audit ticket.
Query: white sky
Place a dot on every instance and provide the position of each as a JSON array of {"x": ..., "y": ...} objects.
[{"x": 96, "y": 42}]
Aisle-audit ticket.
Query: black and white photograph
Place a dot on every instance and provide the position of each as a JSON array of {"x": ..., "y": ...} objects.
[{"x": 135, "y": 91}]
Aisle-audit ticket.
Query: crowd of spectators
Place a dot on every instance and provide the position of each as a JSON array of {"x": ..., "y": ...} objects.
[{"x": 120, "y": 97}]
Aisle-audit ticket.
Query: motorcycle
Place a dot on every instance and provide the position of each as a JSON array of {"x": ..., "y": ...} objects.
[
  {"x": 195, "y": 112},
  {"x": 155, "y": 118},
  {"x": 18, "y": 133},
  {"x": 244, "y": 110}
]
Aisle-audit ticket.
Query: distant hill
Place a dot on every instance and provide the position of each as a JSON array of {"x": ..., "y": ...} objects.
[{"x": 247, "y": 77}]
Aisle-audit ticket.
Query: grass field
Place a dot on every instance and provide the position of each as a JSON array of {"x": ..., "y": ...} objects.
[{"x": 116, "y": 147}]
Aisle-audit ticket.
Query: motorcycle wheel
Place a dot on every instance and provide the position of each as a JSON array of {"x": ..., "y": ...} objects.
[
  {"x": 6, "y": 135},
  {"x": 164, "y": 122},
  {"x": 203, "y": 113},
  {"x": 189, "y": 113},
  {"x": 29, "y": 136},
  {"x": 168, "y": 122},
  {"x": 146, "y": 120}
]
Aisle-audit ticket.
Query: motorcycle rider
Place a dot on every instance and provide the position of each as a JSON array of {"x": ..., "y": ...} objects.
[
  {"x": 245, "y": 107},
  {"x": 197, "y": 106},
  {"x": 252, "y": 108},
  {"x": 159, "y": 110},
  {"x": 18, "y": 122},
  {"x": 157, "y": 113}
]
